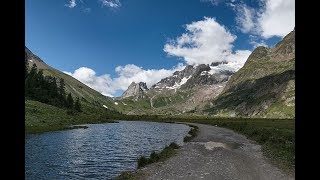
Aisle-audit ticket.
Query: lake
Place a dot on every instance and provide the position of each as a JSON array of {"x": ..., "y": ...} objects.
[{"x": 102, "y": 151}]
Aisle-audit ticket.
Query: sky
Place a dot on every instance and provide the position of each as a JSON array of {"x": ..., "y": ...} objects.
[{"x": 107, "y": 44}]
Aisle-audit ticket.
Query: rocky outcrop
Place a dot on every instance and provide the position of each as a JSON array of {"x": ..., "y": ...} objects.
[
  {"x": 192, "y": 76},
  {"x": 136, "y": 89},
  {"x": 174, "y": 81},
  {"x": 203, "y": 77}
]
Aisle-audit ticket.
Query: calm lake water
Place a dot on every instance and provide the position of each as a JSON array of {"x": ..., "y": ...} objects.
[{"x": 101, "y": 151}]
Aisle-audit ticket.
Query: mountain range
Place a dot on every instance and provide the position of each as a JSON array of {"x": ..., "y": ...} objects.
[{"x": 263, "y": 87}]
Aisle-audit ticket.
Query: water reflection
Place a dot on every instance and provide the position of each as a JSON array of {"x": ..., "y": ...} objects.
[{"x": 101, "y": 151}]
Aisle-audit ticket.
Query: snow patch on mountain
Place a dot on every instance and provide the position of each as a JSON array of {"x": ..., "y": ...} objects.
[{"x": 178, "y": 85}]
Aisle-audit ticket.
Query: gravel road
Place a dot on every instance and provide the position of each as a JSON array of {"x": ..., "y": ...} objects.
[{"x": 216, "y": 153}]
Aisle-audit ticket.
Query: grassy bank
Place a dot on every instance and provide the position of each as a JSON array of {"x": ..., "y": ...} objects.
[
  {"x": 166, "y": 153},
  {"x": 192, "y": 133},
  {"x": 40, "y": 117}
]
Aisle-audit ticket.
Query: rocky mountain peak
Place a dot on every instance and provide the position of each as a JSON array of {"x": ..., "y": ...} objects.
[
  {"x": 143, "y": 86},
  {"x": 285, "y": 49},
  {"x": 282, "y": 51},
  {"x": 259, "y": 54},
  {"x": 192, "y": 76},
  {"x": 135, "y": 89},
  {"x": 186, "y": 72},
  {"x": 264, "y": 86}
]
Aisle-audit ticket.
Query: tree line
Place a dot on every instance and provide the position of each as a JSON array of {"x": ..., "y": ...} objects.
[{"x": 48, "y": 89}]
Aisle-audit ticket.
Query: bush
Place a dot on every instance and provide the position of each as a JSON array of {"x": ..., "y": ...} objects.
[
  {"x": 142, "y": 161},
  {"x": 174, "y": 146},
  {"x": 167, "y": 152}
]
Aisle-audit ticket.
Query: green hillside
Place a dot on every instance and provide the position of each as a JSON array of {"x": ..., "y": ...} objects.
[{"x": 263, "y": 87}]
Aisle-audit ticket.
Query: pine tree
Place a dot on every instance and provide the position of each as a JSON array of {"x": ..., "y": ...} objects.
[
  {"x": 26, "y": 68},
  {"x": 62, "y": 87},
  {"x": 30, "y": 82},
  {"x": 77, "y": 105},
  {"x": 69, "y": 101},
  {"x": 62, "y": 92}
]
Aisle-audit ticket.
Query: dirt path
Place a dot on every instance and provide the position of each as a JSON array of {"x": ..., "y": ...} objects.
[{"x": 216, "y": 153}]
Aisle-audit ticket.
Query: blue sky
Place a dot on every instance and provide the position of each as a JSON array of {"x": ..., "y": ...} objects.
[{"x": 108, "y": 43}]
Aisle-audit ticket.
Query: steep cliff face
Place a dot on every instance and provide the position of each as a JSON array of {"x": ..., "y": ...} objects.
[
  {"x": 192, "y": 76},
  {"x": 264, "y": 86},
  {"x": 181, "y": 92},
  {"x": 137, "y": 90}
]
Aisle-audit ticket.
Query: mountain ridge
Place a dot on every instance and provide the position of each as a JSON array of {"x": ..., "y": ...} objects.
[
  {"x": 87, "y": 95},
  {"x": 263, "y": 87}
]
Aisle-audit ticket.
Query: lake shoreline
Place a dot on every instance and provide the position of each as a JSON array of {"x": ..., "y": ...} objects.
[
  {"x": 168, "y": 151},
  {"x": 210, "y": 154},
  {"x": 275, "y": 135}
]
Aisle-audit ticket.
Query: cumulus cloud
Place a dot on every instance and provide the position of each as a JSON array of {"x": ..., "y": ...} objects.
[
  {"x": 126, "y": 75},
  {"x": 71, "y": 4},
  {"x": 132, "y": 73},
  {"x": 277, "y": 18},
  {"x": 111, "y": 3},
  {"x": 245, "y": 18},
  {"x": 88, "y": 76},
  {"x": 273, "y": 18},
  {"x": 206, "y": 41}
]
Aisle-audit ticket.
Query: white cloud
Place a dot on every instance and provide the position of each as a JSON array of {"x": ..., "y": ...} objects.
[
  {"x": 111, "y": 3},
  {"x": 244, "y": 18},
  {"x": 206, "y": 41},
  {"x": 277, "y": 18},
  {"x": 126, "y": 74},
  {"x": 131, "y": 72},
  {"x": 71, "y": 4},
  {"x": 88, "y": 76},
  {"x": 273, "y": 18}
]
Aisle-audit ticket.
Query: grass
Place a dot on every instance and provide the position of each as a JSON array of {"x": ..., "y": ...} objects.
[
  {"x": 167, "y": 152},
  {"x": 40, "y": 117}
]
